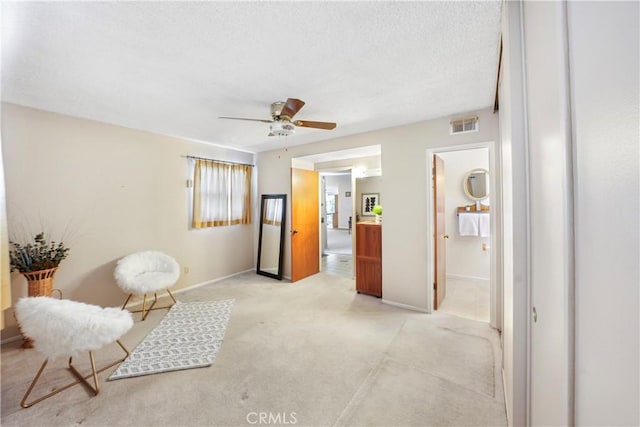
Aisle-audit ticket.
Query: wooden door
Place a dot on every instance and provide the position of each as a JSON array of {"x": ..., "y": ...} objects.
[
  {"x": 305, "y": 224},
  {"x": 335, "y": 212},
  {"x": 440, "y": 261}
]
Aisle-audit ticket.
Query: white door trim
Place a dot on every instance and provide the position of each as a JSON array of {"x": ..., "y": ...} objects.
[{"x": 495, "y": 221}]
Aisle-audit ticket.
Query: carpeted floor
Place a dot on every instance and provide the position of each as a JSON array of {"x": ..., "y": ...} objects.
[
  {"x": 313, "y": 353},
  {"x": 467, "y": 298}
]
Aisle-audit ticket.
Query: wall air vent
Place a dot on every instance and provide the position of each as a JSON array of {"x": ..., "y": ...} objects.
[{"x": 463, "y": 125}]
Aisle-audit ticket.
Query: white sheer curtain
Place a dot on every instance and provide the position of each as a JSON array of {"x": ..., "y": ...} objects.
[
  {"x": 240, "y": 194},
  {"x": 273, "y": 212},
  {"x": 221, "y": 194},
  {"x": 210, "y": 194}
]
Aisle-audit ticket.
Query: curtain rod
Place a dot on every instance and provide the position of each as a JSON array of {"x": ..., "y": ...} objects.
[{"x": 219, "y": 161}]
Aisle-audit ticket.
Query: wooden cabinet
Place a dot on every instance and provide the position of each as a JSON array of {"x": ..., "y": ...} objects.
[{"x": 369, "y": 259}]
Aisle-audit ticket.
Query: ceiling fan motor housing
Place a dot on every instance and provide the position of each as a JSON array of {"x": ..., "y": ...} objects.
[{"x": 276, "y": 109}]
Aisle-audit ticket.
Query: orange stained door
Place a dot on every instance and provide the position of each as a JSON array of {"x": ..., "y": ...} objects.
[
  {"x": 305, "y": 224},
  {"x": 440, "y": 238}
]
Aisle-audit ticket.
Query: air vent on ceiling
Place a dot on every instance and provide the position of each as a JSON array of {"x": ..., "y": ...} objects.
[{"x": 463, "y": 125}]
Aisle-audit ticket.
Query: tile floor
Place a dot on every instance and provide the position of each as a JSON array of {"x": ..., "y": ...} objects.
[
  {"x": 342, "y": 265},
  {"x": 338, "y": 258}
]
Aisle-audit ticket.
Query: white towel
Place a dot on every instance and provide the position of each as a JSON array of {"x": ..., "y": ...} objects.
[
  {"x": 483, "y": 225},
  {"x": 468, "y": 224}
]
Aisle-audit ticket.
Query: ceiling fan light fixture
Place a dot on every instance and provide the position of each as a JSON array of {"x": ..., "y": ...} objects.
[{"x": 281, "y": 128}]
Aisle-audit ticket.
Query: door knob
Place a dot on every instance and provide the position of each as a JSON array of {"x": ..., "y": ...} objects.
[
  {"x": 294, "y": 231},
  {"x": 445, "y": 236}
]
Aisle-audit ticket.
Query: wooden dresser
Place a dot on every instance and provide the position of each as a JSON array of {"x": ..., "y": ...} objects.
[{"x": 369, "y": 258}]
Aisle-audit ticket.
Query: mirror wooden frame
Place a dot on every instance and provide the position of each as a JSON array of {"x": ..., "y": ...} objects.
[{"x": 263, "y": 203}]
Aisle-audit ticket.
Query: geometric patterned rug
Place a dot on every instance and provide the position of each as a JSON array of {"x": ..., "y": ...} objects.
[{"x": 189, "y": 336}]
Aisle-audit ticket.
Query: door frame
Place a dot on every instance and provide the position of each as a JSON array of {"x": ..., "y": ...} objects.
[
  {"x": 439, "y": 230},
  {"x": 495, "y": 287},
  {"x": 352, "y": 206}
]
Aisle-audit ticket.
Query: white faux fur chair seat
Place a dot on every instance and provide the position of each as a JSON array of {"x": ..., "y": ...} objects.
[
  {"x": 146, "y": 272},
  {"x": 65, "y": 328}
]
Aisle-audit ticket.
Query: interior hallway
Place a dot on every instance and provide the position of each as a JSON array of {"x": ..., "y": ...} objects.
[
  {"x": 338, "y": 241},
  {"x": 314, "y": 348},
  {"x": 338, "y": 257}
]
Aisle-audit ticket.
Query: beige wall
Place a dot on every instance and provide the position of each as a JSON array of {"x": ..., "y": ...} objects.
[
  {"x": 404, "y": 169},
  {"x": 109, "y": 191}
]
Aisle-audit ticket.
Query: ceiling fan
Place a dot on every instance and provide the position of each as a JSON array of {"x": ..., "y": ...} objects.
[{"x": 282, "y": 123}]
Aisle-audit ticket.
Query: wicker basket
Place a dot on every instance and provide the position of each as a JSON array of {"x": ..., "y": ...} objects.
[{"x": 40, "y": 284}]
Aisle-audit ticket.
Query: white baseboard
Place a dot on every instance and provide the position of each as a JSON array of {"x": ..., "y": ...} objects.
[
  {"x": 195, "y": 286},
  {"x": 405, "y": 306},
  {"x": 11, "y": 339},
  {"x": 209, "y": 282},
  {"x": 463, "y": 277}
]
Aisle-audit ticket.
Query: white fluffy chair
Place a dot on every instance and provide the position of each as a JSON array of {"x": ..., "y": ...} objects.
[
  {"x": 65, "y": 328},
  {"x": 142, "y": 273}
]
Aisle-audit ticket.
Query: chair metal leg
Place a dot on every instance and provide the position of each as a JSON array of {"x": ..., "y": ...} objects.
[
  {"x": 95, "y": 388},
  {"x": 125, "y": 303},
  {"x": 171, "y": 295},
  {"x": 80, "y": 379},
  {"x": 145, "y": 311}
]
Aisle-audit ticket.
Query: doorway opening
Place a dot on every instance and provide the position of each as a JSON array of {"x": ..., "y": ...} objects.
[
  {"x": 464, "y": 282},
  {"x": 337, "y": 244},
  {"x": 337, "y": 218}
]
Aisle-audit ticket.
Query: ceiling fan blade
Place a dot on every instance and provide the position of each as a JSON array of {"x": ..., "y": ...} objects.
[
  {"x": 248, "y": 120},
  {"x": 316, "y": 125},
  {"x": 291, "y": 107}
]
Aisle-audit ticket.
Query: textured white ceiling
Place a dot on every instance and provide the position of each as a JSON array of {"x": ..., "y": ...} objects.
[{"x": 174, "y": 67}]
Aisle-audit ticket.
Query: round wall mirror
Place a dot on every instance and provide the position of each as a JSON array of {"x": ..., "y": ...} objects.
[{"x": 476, "y": 184}]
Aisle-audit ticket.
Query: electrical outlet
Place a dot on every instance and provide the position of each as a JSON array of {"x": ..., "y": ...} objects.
[{"x": 185, "y": 269}]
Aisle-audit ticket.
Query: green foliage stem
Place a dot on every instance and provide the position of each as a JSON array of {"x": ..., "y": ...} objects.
[{"x": 40, "y": 255}]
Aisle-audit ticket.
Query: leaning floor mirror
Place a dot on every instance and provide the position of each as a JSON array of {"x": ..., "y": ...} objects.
[{"x": 271, "y": 240}]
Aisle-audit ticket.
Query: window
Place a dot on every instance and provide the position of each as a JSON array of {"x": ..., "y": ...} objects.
[{"x": 221, "y": 194}]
